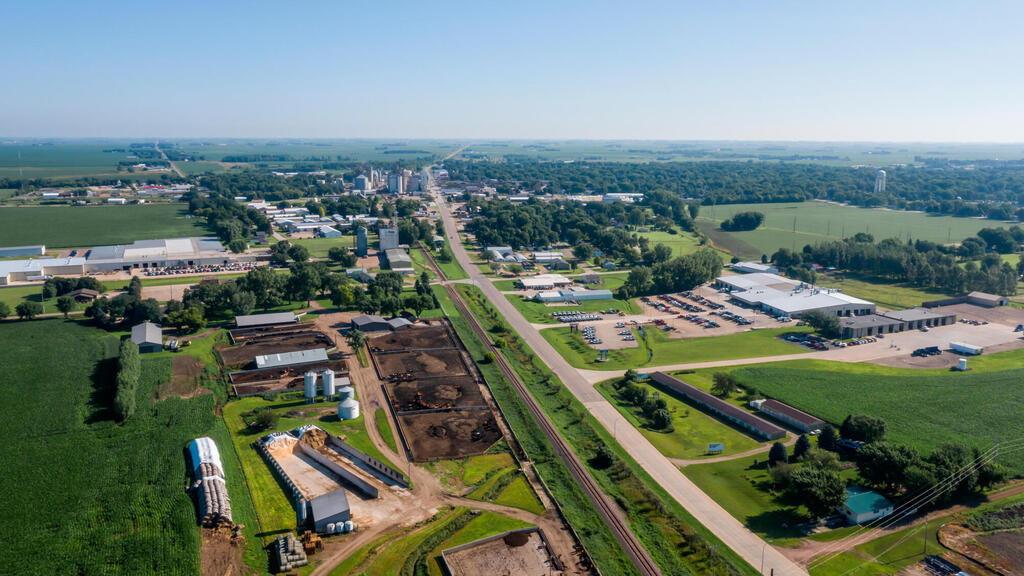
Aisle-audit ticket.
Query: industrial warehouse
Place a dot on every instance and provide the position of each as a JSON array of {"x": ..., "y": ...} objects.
[
  {"x": 780, "y": 296},
  {"x": 142, "y": 254}
]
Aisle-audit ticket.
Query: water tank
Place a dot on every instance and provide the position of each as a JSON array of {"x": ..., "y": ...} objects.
[
  {"x": 310, "y": 388},
  {"x": 962, "y": 365},
  {"x": 330, "y": 527},
  {"x": 328, "y": 376},
  {"x": 346, "y": 392},
  {"x": 348, "y": 409},
  {"x": 349, "y": 526}
]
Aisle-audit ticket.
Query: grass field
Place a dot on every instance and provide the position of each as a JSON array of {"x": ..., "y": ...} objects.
[
  {"x": 659, "y": 349},
  {"x": 319, "y": 247},
  {"x": 744, "y": 489},
  {"x": 63, "y": 159},
  {"x": 820, "y": 221},
  {"x": 881, "y": 292},
  {"x": 692, "y": 430},
  {"x": 380, "y": 418},
  {"x": 114, "y": 491},
  {"x": 918, "y": 405},
  {"x": 68, "y": 226},
  {"x": 681, "y": 244}
]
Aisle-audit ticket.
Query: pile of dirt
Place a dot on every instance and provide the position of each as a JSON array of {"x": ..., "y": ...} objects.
[
  {"x": 221, "y": 553},
  {"x": 314, "y": 438},
  {"x": 1000, "y": 552}
]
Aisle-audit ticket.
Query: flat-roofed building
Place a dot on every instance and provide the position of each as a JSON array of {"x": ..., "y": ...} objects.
[
  {"x": 869, "y": 325},
  {"x": 39, "y": 269},
  {"x": 917, "y": 318},
  {"x": 784, "y": 297},
  {"x": 543, "y": 282},
  {"x": 12, "y": 251},
  {"x": 754, "y": 268}
]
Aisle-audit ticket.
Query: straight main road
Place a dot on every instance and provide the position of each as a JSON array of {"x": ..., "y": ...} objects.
[{"x": 729, "y": 530}]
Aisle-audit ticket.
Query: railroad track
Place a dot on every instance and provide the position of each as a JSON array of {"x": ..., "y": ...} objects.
[{"x": 608, "y": 510}]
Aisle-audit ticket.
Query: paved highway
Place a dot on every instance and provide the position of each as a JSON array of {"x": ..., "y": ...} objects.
[{"x": 736, "y": 536}]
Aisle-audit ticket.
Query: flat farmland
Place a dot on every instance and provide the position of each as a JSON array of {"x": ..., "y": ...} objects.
[
  {"x": 314, "y": 150},
  {"x": 78, "y": 226},
  {"x": 60, "y": 159},
  {"x": 794, "y": 224},
  {"x": 923, "y": 408}
]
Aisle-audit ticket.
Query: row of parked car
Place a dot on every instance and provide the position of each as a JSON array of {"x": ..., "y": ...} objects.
[
  {"x": 811, "y": 341},
  {"x": 590, "y": 335},
  {"x": 702, "y": 300},
  {"x": 929, "y": 351},
  {"x": 703, "y": 322},
  {"x": 732, "y": 317},
  {"x": 574, "y": 317},
  {"x": 856, "y": 342}
]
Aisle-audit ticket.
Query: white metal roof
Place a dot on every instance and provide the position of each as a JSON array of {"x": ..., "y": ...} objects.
[
  {"x": 290, "y": 358},
  {"x": 271, "y": 319}
]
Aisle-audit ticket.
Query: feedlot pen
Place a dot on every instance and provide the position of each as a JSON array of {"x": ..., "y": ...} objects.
[{"x": 434, "y": 392}]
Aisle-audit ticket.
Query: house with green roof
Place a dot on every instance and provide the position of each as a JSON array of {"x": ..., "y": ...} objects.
[{"x": 863, "y": 505}]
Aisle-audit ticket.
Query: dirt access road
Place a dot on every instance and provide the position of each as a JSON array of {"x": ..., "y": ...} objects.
[{"x": 736, "y": 536}]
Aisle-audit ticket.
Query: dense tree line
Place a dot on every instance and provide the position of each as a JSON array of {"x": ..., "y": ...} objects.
[
  {"x": 993, "y": 189},
  {"x": 234, "y": 223},
  {"x": 919, "y": 263},
  {"x": 129, "y": 369},
  {"x": 682, "y": 273}
]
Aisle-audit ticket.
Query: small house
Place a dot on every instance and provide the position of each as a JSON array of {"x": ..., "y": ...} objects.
[
  {"x": 148, "y": 337},
  {"x": 863, "y": 505}
]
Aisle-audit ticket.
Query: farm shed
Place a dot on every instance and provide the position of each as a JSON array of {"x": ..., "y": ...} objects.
[
  {"x": 370, "y": 323},
  {"x": 273, "y": 319},
  {"x": 741, "y": 418},
  {"x": 986, "y": 300},
  {"x": 291, "y": 358},
  {"x": 863, "y": 505},
  {"x": 148, "y": 337},
  {"x": 916, "y": 318},
  {"x": 785, "y": 413},
  {"x": 11, "y": 251}
]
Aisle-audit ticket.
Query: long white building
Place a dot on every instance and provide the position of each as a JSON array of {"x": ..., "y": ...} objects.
[{"x": 784, "y": 297}]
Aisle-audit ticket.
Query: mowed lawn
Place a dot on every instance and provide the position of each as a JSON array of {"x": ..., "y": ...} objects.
[
  {"x": 881, "y": 292},
  {"x": 923, "y": 408},
  {"x": 692, "y": 430},
  {"x": 540, "y": 313},
  {"x": 113, "y": 491},
  {"x": 681, "y": 243},
  {"x": 87, "y": 226},
  {"x": 795, "y": 224},
  {"x": 660, "y": 350}
]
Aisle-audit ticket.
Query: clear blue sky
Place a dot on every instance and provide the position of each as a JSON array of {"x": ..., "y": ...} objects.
[{"x": 877, "y": 71}]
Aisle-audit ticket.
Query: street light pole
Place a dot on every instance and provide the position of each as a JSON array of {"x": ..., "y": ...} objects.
[{"x": 762, "y": 556}]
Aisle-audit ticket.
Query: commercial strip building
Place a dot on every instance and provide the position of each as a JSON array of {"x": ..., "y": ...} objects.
[
  {"x": 894, "y": 321},
  {"x": 788, "y": 415},
  {"x": 784, "y": 297},
  {"x": 543, "y": 282},
  {"x": 573, "y": 295},
  {"x": 757, "y": 426}
]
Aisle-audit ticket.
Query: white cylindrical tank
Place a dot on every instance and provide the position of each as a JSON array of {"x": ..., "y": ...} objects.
[
  {"x": 328, "y": 376},
  {"x": 310, "y": 388},
  {"x": 349, "y": 526},
  {"x": 348, "y": 409},
  {"x": 962, "y": 365},
  {"x": 330, "y": 527},
  {"x": 345, "y": 391}
]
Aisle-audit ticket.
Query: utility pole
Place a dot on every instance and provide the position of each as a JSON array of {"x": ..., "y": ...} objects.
[{"x": 926, "y": 536}]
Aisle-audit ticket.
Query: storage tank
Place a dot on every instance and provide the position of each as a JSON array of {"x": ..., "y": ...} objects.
[
  {"x": 328, "y": 376},
  {"x": 300, "y": 510},
  {"x": 310, "y": 388},
  {"x": 344, "y": 390},
  {"x": 330, "y": 527},
  {"x": 348, "y": 409},
  {"x": 349, "y": 526},
  {"x": 962, "y": 365}
]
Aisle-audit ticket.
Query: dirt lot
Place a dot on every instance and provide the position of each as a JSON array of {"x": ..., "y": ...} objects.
[
  {"x": 184, "y": 384},
  {"x": 1005, "y": 315},
  {"x": 220, "y": 555},
  {"x": 420, "y": 364},
  {"x": 514, "y": 554},
  {"x": 454, "y": 434},
  {"x": 415, "y": 338},
  {"x": 246, "y": 353},
  {"x": 434, "y": 393}
]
